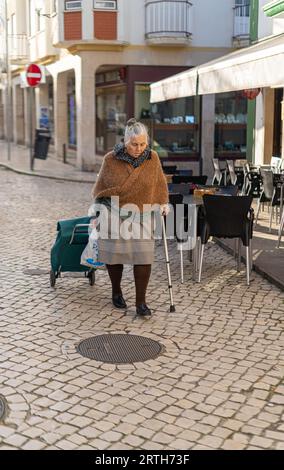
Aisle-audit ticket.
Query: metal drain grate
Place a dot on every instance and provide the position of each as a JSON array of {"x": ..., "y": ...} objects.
[
  {"x": 3, "y": 407},
  {"x": 36, "y": 272},
  {"x": 119, "y": 348}
]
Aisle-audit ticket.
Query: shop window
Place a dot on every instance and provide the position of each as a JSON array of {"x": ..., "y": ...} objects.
[
  {"x": 175, "y": 130},
  {"x": 51, "y": 109},
  {"x": 230, "y": 125},
  {"x": 142, "y": 101},
  {"x": 72, "y": 115},
  {"x": 110, "y": 116}
]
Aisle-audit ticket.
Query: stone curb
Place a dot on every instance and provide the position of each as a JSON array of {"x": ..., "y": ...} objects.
[
  {"x": 29, "y": 173},
  {"x": 255, "y": 267}
]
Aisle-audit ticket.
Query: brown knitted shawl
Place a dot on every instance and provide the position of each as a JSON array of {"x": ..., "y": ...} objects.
[{"x": 143, "y": 185}]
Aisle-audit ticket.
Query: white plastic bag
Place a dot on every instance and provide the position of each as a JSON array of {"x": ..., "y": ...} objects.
[{"x": 90, "y": 254}]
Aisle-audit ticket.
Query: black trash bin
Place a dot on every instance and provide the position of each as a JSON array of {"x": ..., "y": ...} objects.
[{"x": 42, "y": 139}]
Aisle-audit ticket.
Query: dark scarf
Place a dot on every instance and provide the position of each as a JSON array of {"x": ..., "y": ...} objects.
[{"x": 121, "y": 154}]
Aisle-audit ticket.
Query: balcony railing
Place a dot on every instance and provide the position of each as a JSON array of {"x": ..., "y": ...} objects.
[
  {"x": 241, "y": 21},
  {"x": 18, "y": 48},
  {"x": 168, "y": 21}
]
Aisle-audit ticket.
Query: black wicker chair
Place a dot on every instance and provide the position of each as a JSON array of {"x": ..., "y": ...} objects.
[{"x": 227, "y": 217}]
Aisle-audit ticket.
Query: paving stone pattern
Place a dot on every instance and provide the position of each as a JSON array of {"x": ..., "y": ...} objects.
[{"x": 218, "y": 383}]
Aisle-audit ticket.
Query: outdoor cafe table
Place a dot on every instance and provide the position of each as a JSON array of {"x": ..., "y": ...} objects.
[{"x": 169, "y": 178}]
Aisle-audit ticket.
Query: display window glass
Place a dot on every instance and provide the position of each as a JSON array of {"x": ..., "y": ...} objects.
[
  {"x": 176, "y": 127},
  {"x": 72, "y": 114},
  {"x": 142, "y": 101},
  {"x": 230, "y": 124},
  {"x": 51, "y": 109},
  {"x": 110, "y": 117}
]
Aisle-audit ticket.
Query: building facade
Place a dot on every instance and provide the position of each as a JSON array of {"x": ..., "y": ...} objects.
[
  {"x": 268, "y": 129},
  {"x": 99, "y": 58},
  {"x": 241, "y": 93}
]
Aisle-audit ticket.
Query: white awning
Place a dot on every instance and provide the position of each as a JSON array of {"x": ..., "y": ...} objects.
[
  {"x": 257, "y": 66},
  {"x": 178, "y": 86}
]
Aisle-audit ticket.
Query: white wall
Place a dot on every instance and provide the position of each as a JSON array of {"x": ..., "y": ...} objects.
[
  {"x": 264, "y": 22},
  {"x": 123, "y": 33},
  {"x": 277, "y": 25},
  {"x": 134, "y": 21},
  {"x": 59, "y": 22},
  {"x": 40, "y": 42},
  {"x": 16, "y": 7},
  {"x": 87, "y": 20},
  {"x": 11, "y": 7},
  {"x": 267, "y": 25},
  {"x": 21, "y": 20},
  {"x": 17, "y": 42},
  {"x": 212, "y": 23},
  {"x": 2, "y": 35}
]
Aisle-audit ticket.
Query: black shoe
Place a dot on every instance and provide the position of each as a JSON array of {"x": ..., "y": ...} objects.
[
  {"x": 143, "y": 310},
  {"x": 118, "y": 301}
]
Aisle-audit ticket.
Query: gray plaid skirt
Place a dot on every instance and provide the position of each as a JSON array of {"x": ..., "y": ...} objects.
[{"x": 126, "y": 240}]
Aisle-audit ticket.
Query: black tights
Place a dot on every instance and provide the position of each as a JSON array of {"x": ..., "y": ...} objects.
[
  {"x": 142, "y": 274},
  {"x": 115, "y": 274}
]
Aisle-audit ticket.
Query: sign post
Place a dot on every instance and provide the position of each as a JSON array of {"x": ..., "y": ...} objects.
[
  {"x": 34, "y": 77},
  {"x": 4, "y": 47}
]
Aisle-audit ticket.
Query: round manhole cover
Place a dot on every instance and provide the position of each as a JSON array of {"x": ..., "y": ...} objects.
[
  {"x": 35, "y": 272},
  {"x": 2, "y": 407},
  {"x": 119, "y": 348}
]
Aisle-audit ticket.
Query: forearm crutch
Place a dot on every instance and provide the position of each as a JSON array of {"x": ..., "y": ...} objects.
[{"x": 172, "y": 307}]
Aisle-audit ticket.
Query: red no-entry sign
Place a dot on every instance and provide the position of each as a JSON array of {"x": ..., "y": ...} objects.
[{"x": 34, "y": 75}]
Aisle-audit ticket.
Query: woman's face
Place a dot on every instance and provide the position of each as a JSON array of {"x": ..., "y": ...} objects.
[{"x": 137, "y": 145}]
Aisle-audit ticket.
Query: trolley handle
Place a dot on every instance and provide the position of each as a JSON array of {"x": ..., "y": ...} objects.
[{"x": 75, "y": 231}]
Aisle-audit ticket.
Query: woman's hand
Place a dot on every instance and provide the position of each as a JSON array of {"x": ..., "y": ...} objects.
[{"x": 164, "y": 209}]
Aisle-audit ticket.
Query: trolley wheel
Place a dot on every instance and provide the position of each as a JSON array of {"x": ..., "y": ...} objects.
[
  {"x": 92, "y": 278},
  {"x": 52, "y": 277}
]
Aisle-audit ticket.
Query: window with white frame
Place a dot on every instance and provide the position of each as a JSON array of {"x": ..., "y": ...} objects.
[
  {"x": 71, "y": 5},
  {"x": 242, "y": 7},
  {"x": 105, "y": 4},
  {"x": 242, "y": 2}
]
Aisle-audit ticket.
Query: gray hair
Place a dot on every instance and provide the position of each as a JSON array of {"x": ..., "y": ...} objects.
[{"x": 133, "y": 129}]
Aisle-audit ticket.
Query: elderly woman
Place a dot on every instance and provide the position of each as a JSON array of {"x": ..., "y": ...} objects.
[{"x": 132, "y": 172}]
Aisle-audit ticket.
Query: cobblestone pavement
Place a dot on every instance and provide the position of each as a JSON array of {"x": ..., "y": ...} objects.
[
  {"x": 49, "y": 168},
  {"x": 217, "y": 384}
]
